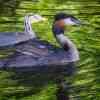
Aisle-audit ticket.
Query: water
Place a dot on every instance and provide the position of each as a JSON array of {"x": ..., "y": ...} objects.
[{"x": 87, "y": 38}]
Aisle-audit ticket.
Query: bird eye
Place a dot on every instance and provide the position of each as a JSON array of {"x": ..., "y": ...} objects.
[{"x": 73, "y": 19}]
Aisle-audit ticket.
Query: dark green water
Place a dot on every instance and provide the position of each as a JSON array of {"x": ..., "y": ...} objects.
[{"x": 87, "y": 38}]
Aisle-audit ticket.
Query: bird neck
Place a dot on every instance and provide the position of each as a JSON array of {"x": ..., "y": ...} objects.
[
  {"x": 28, "y": 27},
  {"x": 59, "y": 25}
]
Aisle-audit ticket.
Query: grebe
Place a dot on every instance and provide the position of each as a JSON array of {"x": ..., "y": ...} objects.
[{"x": 60, "y": 21}]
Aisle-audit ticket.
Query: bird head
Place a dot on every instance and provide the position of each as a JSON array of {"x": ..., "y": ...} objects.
[
  {"x": 34, "y": 18},
  {"x": 63, "y": 19}
]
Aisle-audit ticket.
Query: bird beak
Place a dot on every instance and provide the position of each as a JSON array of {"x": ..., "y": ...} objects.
[
  {"x": 70, "y": 21},
  {"x": 37, "y": 18},
  {"x": 78, "y": 22},
  {"x": 44, "y": 19}
]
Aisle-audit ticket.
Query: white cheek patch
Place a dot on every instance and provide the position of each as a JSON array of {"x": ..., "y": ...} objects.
[{"x": 68, "y": 21}]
